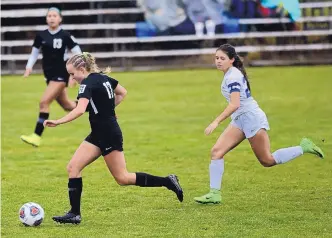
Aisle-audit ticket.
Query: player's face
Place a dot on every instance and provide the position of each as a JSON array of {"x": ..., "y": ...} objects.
[
  {"x": 53, "y": 19},
  {"x": 76, "y": 74},
  {"x": 222, "y": 61}
]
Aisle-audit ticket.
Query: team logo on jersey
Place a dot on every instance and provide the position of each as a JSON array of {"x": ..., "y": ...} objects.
[
  {"x": 34, "y": 211},
  {"x": 82, "y": 88},
  {"x": 22, "y": 213}
]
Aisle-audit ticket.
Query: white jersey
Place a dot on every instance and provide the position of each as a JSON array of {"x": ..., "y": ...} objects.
[{"x": 234, "y": 81}]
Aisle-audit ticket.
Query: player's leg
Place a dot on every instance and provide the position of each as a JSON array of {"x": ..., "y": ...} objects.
[
  {"x": 260, "y": 144},
  {"x": 52, "y": 91},
  {"x": 84, "y": 155},
  {"x": 229, "y": 139},
  {"x": 117, "y": 165},
  {"x": 64, "y": 101}
]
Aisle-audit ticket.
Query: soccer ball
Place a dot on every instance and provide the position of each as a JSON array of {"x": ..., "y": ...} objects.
[{"x": 31, "y": 214}]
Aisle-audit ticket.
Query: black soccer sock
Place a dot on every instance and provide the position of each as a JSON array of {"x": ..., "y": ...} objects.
[
  {"x": 39, "y": 126},
  {"x": 75, "y": 186},
  {"x": 148, "y": 180}
]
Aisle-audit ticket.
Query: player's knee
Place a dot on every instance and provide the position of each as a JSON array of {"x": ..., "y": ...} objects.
[
  {"x": 73, "y": 172},
  {"x": 267, "y": 161},
  {"x": 122, "y": 179},
  {"x": 68, "y": 107},
  {"x": 216, "y": 153},
  {"x": 43, "y": 105}
]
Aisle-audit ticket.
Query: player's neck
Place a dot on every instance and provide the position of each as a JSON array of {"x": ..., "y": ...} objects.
[
  {"x": 86, "y": 74},
  {"x": 226, "y": 70},
  {"x": 54, "y": 30}
]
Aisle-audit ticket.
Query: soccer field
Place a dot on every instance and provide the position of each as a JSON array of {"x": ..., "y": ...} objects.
[{"x": 163, "y": 119}]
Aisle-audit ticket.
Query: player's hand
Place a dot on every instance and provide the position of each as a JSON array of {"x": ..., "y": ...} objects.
[
  {"x": 72, "y": 83},
  {"x": 211, "y": 128},
  {"x": 27, "y": 72},
  {"x": 50, "y": 123}
]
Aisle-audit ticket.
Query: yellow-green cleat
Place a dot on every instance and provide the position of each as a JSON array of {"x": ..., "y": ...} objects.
[
  {"x": 213, "y": 197},
  {"x": 32, "y": 139},
  {"x": 309, "y": 147}
]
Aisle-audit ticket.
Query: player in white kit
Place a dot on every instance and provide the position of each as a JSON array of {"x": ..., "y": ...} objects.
[{"x": 248, "y": 122}]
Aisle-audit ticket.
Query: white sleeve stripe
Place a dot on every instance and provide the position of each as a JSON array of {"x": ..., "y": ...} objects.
[
  {"x": 93, "y": 106},
  {"x": 33, "y": 57},
  {"x": 76, "y": 50}
]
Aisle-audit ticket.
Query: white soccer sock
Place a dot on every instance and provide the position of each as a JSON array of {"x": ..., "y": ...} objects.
[
  {"x": 216, "y": 172},
  {"x": 284, "y": 155}
]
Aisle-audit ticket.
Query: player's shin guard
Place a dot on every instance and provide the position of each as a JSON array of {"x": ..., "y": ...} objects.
[
  {"x": 148, "y": 180},
  {"x": 75, "y": 186},
  {"x": 216, "y": 172},
  {"x": 285, "y": 155},
  {"x": 39, "y": 126},
  {"x": 171, "y": 182}
]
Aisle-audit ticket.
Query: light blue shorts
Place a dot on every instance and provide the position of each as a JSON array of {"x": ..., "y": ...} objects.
[{"x": 251, "y": 122}]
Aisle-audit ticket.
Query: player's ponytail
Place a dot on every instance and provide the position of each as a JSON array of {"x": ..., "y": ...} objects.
[
  {"x": 87, "y": 61},
  {"x": 229, "y": 50},
  {"x": 239, "y": 65}
]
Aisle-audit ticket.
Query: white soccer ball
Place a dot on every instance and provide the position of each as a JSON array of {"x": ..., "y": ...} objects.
[{"x": 31, "y": 214}]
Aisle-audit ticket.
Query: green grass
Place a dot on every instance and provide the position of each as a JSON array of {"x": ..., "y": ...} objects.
[{"x": 163, "y": 119}]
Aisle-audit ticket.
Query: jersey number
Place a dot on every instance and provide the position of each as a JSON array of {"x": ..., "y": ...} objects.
[
  {"x": 247, "y": 89},
  {"x": 57, "y": 43},
  {"x": 109, "y": 89}
]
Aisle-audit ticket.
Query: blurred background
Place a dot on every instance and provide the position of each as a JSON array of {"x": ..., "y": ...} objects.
[{"x": 163, "y": 34}]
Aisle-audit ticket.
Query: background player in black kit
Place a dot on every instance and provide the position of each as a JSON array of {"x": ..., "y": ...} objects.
[
  {"x": 54, "y": 43},
  {"x": 102, "y": 94}
]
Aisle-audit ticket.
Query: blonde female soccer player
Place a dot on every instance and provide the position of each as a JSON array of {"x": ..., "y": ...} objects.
[
  {"x": 102, "y": 94},
  {"x": 248, "y": 122}
]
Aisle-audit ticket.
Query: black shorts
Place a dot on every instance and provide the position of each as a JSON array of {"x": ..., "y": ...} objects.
[
  {"x": 107, "y": 136},
  {"x": 57, "y": 75}
]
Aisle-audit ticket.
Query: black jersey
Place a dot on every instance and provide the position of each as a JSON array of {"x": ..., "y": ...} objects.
[
  {"x": 54, "y": 48},
  {"x": 99, "y": 89}
]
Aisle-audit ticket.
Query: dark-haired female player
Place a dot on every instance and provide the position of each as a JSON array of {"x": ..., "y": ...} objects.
[
  {"x": 54, "y": 43},
  {"x": 102, "y": 94},
  {"x": 248, "y": 121}
]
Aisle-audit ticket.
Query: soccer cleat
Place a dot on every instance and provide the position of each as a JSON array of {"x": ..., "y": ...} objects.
[
  {"x": 213, "y": 197},
  {"x": 69, "y": 217},
  {"x": 174, "y": 185},
  {"x": 309, "y": 147},
  {"x": 32, "y": 139}
]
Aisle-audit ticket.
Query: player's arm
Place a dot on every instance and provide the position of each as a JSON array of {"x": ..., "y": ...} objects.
[
  {"x": 76, "y": 50},
  {"x": 233, "y": 105},
  {"x": 120, "y": 93},
  {"x": 33, "y": 56},
  {"x": 84, "y": 96},
  {"x": 78, "y": 111},
  {"x": 234, "y": 89},
  {"x": 73, "y": 45}
]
